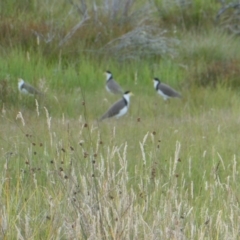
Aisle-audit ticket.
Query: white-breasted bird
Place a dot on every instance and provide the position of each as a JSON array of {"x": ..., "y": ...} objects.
[
  {"x": 164, "y": 90},
  {"x": 119, "y": 108},
  {"x": 26, "y": 88},
  {"x": 111, "y": 85}
]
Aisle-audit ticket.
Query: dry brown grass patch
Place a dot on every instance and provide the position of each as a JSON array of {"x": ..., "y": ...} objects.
[{"x": 218, "y": 72}]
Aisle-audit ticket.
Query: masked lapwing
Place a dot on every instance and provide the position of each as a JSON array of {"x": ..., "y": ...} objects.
[
  {"x": 26, "y": 88},
  {"x": 119, "y": 108},
  {"x": 164, "y": 90},
  {"x": 111, "y": 85}
]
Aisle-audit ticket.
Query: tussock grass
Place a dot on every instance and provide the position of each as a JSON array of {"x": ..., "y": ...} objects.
[
  {"x": 186, "y": 14},
  {"x": 163, "y": 171},
  {"x": 210, "y": 58},
  {"x": 209, "y": 46},
  {"x": 132, "y": 178}
]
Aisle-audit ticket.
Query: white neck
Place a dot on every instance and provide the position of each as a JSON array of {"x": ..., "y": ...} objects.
[
  {"x": 155, "y": 83},
  {"x": 20, "y": 83},
  {"x": 108, "y": 75},
  {"x": 127, "y": 98}
]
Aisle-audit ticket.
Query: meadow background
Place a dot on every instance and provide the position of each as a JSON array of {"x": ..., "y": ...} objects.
[{"x": 164, "y": 170}]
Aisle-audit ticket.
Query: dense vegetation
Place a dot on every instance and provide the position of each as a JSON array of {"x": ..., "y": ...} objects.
[{"x": 163, "y": 171}]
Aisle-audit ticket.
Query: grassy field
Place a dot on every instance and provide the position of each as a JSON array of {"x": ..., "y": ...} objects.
[{"x": 162, "y": 171}]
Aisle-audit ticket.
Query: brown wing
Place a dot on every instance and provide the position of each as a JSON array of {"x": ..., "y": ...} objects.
[
  {"x": 114, "y": 87},
  {"x": 114, "y": 109},
  {"x": 167, "y": 90}
]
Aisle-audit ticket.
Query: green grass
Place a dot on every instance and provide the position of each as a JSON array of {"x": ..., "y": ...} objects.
[
  {"x": 191, "y": 15},
  {"x": 163, "y": 171}
]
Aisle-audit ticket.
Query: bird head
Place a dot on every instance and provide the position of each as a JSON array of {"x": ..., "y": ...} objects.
[
  {"x": 128, "y": 93},
  {"x": 156, "y": 81},
  {"x": 108, "y": 75},
  {"x": 20, "y": 82}
]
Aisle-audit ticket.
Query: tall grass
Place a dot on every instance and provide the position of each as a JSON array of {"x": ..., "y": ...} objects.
[
  {"x": 147, "y": 178},
  {"x": 163, "y": 171}
]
